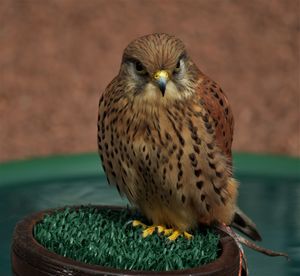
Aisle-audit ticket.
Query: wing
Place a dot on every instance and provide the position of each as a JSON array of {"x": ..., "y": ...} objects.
[{"x": 215, "y": 102}]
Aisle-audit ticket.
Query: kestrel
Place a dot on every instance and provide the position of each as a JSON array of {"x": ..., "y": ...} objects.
[{"x": 164, "y": 135}]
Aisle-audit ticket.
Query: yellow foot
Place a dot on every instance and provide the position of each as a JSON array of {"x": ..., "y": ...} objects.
[
  {"x": 178, "y": 233},
  {"x": 171, "y": 233},
  {"x": 148, "y": 230},
  {"x": 137, "y": 223}
]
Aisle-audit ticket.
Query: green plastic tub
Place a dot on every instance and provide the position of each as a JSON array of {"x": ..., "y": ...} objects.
[{"x": 269, "y": 193}]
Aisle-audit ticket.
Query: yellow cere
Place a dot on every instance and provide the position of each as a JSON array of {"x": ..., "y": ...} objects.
[{"x": 161, "y": 74}]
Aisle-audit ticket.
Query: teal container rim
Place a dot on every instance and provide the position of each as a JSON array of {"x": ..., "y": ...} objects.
[{"x": 87, "y": 165}]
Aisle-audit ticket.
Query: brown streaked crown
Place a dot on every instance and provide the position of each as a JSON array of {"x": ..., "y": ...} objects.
[{"x": 155, "y": 51}]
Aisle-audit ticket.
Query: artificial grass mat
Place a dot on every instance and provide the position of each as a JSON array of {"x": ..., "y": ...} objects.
[{"x": 106, "y": 237}]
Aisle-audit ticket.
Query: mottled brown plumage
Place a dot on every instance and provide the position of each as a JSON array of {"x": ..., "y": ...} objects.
[{"x": 164, "y": 135}]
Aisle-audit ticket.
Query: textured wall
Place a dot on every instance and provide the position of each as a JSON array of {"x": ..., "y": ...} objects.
[{"x": 56, "y": 57}]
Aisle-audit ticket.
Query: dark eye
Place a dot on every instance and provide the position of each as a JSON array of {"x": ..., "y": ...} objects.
[
  {"x": 140, "y": 68},
  {"x": 177, "y": 68}
]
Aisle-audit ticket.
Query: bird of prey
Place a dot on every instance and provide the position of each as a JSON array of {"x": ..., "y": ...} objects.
[{"x": 165, "y": 131}]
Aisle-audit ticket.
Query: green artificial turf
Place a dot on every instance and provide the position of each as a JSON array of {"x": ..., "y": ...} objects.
[{"x": 106, "y": 237}]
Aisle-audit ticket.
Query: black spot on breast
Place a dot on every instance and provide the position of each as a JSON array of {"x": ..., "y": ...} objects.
[
  {"x": 124, "y": 172},
  {"x": 181, "y": 140},
  {"x": 221, "y": 102},
  {"x": 183, "y": 198},
  {"x": 170, "y": 152},
  {"x": 223, "y": 200},
  {"x": 192, "y": 156},
  {"x": 168, "y": 136},
  {"x": 179, "y": 176},
  {"x": 164, "y": 159},
  {"x": 179, "y": 185},
  {"x": 197, "y": 141},
  {"x": 199, "y": 184},
  {"x": 208, "y": 125},
  {"x": 216, "y": 95},
  {"x": 165, "y": 171},
  {"x": 210, "y": 145},
  {"x": 158, "y": 155},
  {"x": 205, "y": 118},
  {"x": 194, "y": 163},
  {"x": 194, "y": 136},
  {"x": 217, "y": 190},
  {"x": 196, "y": 149},
  {"x": 212, "y": 166},
  {"x": 207, "y": 207},
  {"x": 203, "y": 197},
  {"x": 219, "y": 174},
  {"x": 198, "y": 172},
  {"x": 210, "y": 155}
]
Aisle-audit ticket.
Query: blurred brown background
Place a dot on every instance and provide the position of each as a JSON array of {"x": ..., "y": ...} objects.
[{"x": 56, "y": 57}]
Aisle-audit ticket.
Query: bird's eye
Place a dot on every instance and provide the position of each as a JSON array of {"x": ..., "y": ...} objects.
[
  {"x": 140, "y": 69},
  {"x": 178, "y": 66}
]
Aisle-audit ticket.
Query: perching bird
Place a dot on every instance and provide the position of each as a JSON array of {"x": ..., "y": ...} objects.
[{"x": 164, "y": 135}]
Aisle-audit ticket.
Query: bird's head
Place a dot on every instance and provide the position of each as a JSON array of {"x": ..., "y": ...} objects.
[{"x": 156, "y": 68}]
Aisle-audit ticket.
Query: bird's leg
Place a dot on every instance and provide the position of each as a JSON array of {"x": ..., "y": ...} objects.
[{"x": 171, "y": 233}]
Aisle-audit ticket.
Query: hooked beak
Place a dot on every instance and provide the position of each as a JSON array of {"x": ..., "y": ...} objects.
[{"x": 161, "y": 77}]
